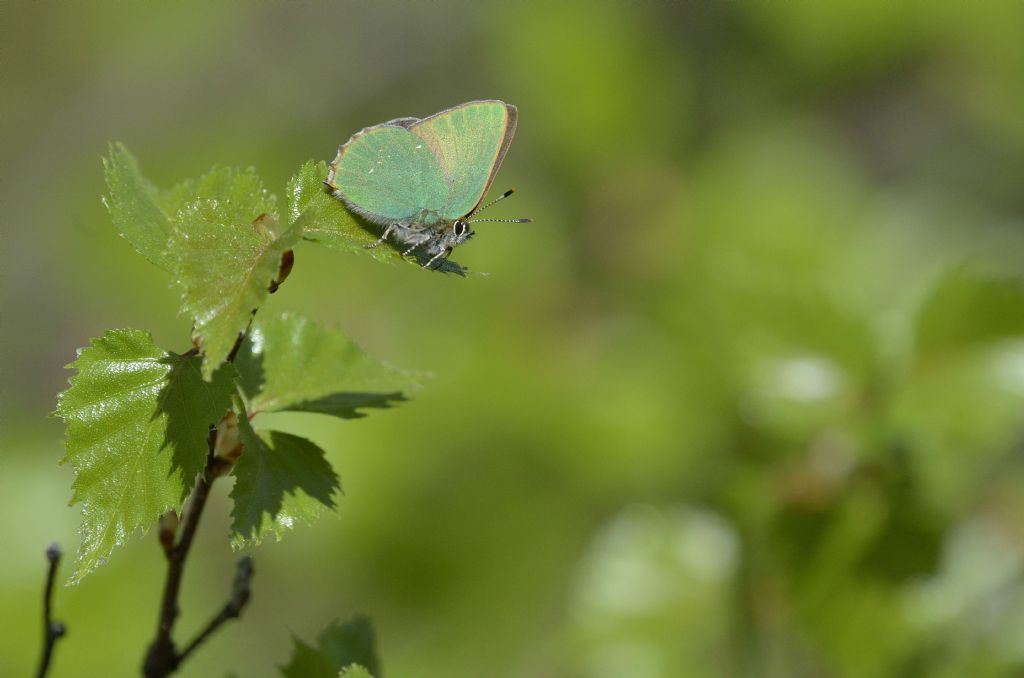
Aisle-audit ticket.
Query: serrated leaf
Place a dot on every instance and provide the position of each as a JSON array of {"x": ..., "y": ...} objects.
[
  {"x": 340, "y": 648},
  {"x": 354, "y": 671},
  {"x": 353, "y": 642},
  {"x": 137, "y": 423},
  {"x": 228, "y": 249},
  {"x": 279, "y": 479},
  {"x": 292, "y": 363},
  {"x": 325, "y": 219},
  {"x": 136, "y": 206}
]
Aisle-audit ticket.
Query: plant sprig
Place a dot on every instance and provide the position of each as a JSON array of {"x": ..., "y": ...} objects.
[{"x": 149, "y": 431}]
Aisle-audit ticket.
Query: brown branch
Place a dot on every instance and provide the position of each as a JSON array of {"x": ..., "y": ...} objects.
[
  {"x": 162, "y": 657},
  {"x": 52, "y": 630}
]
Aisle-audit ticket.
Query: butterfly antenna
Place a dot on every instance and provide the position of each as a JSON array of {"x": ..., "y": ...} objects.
[{"x": 498, "y": 199}]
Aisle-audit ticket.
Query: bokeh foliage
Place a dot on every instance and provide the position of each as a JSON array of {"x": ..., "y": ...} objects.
[{"x": 745, "y": 398}]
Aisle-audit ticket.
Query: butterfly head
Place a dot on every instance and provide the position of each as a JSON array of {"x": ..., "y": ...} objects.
[
  {"x": 444, "y": 241},
  {"x": 444, "y": 238},
  {"x": 459, "y": 233}
]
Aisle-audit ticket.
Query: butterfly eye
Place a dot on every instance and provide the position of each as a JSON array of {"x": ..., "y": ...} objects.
[{"x": 460, "y": 228}]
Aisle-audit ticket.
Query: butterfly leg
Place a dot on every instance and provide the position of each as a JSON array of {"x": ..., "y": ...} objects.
[
  {"x": 434, "y": 258},
  {"x": 382, "y": 238},
  {"x": 417, "y": 240},
  {"x": 409, "y": 249}
]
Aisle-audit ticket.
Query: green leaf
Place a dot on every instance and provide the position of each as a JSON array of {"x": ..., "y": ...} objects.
[
  {"x": 324, "y": 218},
  {"x": 351, "y": 643},
  {"x": 279, "y": 479},
  {"x": 339, "y": 647},
  {"x": 136, "y": 206},
  {"x": 970, "y": 308},
  {"x": 354, "y": 671},
  {"x": 291, "y": 363},
  {"x": 308, "y": 662},
  {"x": 137, "y": 423},
  {"x": 228, "y": 249}
]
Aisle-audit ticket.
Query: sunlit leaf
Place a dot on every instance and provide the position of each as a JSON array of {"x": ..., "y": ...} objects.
[
  {"x": 136, "y": 206},
  {"x": 279, "y": 479},
  {"x": 291, "y": 363},
  {"x": 137, "y": 424},
  {"x": 339, "y": 648},
  {"x": 324, "y": 218},
  {"x": 228, "y": 249}
]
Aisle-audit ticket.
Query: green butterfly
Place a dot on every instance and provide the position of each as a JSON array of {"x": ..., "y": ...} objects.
[{"x": 423, "y": 180}]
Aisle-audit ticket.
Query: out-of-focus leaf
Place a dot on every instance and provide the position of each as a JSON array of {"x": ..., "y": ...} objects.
[
  {"x": 137, "y": 423},
  {"x": 292, "y": 363},
  {"x": 228, "y": 249},
  {"x": 909, "y": 542},
  {"x": 324, "y": 218},
  {"x": 308, "y": 662},
  {"x": 136, "y": 206},
  {"x": 657, "y": 578},
  {"x": 348, "y": 648},
  {"x": 279, "y": 479},
  {"x": 958, "y": 416},
  {"x": 351, "y": 643},
  {"x": 968, "y": 308}
]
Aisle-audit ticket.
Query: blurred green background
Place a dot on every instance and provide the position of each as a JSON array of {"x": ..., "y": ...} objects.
[{"x": 744, "y": 400}]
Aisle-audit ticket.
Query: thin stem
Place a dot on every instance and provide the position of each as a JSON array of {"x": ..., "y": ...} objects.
[
  {"x": 52, "y": 630},
  {"x": 163, "y": 658},
  {"x": 232, "y": 609}
]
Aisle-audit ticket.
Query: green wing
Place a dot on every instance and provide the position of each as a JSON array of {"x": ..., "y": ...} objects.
[
  {"x": 386, "y": 173},
  {"x": 469, "y": 141}
]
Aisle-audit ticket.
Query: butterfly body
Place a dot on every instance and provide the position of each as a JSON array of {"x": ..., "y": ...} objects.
[
  {"x": 423, "y": 179},
  {"x": 433, "y": 240}
]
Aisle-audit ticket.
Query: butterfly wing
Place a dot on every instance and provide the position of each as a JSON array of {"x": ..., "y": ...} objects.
[
  {"x": 469, "y": 142},
  {"x": 386, "y": 174}
]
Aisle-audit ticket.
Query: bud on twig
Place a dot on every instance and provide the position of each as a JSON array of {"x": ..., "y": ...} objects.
[
  {"x": 229, "y": 445},
  {"x": 168, "y": 526}
]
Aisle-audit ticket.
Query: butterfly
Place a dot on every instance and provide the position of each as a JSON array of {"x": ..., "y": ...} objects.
[{"x": 424, "y": 180}]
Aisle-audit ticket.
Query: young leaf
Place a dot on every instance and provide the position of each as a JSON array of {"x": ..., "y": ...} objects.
[
  {"x": 228, "y": 249},
  {"x": 339, "y": 647},
  {"x": 279, "y": 479},
  {"x": 354, "y": 671},
  {"x": 137, "y": 423},
  {"x": 291, "y": 363},
  {"x": 324, "y": 218},
  {"x": 135, "y": 206}
]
